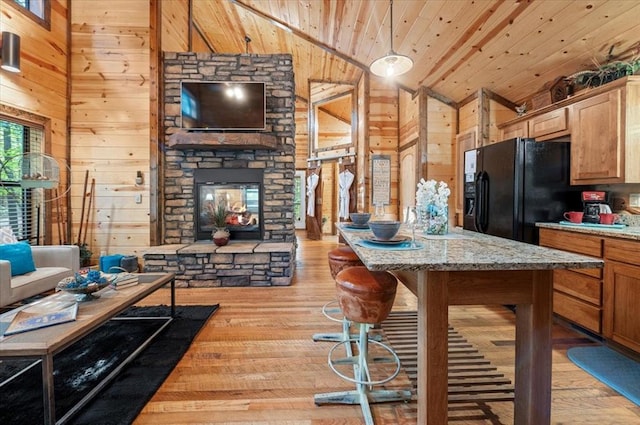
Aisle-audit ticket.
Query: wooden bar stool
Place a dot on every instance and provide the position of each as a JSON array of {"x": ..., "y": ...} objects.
[
  {"x": 366, "y": 298},
  {"x": 339, "y": 259}
]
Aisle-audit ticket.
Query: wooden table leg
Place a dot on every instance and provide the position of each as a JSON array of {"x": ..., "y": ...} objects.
[
  {"x": 533, "y": 353},
  {"x": 47, "y": 390},
  {"x": 433, "y": 318}
]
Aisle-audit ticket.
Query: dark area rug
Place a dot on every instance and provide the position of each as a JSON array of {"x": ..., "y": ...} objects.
[{"x": 85, "y": 363}]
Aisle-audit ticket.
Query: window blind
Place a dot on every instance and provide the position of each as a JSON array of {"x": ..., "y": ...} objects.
[{"x": 20, "y": 208}]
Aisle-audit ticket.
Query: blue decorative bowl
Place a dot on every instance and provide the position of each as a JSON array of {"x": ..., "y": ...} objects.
[
  {"x": 84, "y": 287},
  {"x": 359, "y": 218},
  {"x": 384, "y": 230}
]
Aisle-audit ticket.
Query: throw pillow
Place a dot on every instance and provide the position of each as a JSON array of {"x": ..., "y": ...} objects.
[
  {"x": 20, "y": 257},
  {"x": 6, "y": 235}
]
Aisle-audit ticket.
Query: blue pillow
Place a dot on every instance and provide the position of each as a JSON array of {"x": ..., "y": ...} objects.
[
  {"x": 20, "y": 257},
  {"x": 107, "y": 262}
]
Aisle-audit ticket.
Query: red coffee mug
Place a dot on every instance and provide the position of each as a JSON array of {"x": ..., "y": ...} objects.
[
  {"x": 574, "y": 216},
  {"x": 608, "y": 218}
]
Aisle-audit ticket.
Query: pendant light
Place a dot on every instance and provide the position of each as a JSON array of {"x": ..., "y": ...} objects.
[{"x": 392, "y": 64}]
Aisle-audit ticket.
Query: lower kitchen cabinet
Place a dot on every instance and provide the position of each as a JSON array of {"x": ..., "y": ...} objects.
[
  {"x": 577, "y": 294},
  {"x": 604, "y": 302},
  {"x": 578, "y": 298},
  {"x": 622, "y": 293}
]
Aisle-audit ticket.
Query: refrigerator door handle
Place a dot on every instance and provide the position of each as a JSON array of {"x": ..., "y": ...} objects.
[
  {"x": 479, "y": 200},
  {"x": 482, "y": 207},
  {"x": 484, "y": 218}
]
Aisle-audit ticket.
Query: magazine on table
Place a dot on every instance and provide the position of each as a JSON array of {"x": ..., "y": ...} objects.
[{"x": 40, "y": 314}]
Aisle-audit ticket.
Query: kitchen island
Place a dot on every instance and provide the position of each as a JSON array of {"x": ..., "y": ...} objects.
[{"x": 468, "y": 268}]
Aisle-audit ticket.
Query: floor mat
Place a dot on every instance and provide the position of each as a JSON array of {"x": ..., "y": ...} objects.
[{"x": 610, "y": 367}]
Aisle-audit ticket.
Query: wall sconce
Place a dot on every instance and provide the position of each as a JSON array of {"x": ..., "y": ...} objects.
[
  {"x": 139, "y": 179},
  {"x": 10, "y": 52}
]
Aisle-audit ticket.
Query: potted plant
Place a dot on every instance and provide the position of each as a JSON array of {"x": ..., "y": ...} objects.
[
  {"x": 606, "y": 73},
  {"x": 219, "y": 218},
  {"x": 85, "y": 255}
]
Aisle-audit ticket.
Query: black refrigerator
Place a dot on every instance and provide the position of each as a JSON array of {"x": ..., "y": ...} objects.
[{"x": 511, "y": 185}]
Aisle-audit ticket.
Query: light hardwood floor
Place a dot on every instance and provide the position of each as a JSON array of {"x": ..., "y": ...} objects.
[{"x": 255, "y": 362}]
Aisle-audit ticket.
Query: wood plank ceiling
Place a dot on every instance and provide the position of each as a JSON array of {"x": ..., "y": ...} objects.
[{"x": 458, "y": 46}]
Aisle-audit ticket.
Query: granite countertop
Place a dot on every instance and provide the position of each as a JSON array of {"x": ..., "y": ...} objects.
[
  {"x": 628, "y": 232},
  {"x": 462, "y": 250}
]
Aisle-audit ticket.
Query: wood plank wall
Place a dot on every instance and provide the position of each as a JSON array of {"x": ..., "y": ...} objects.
[
  {"x": 438, "y": 123},
  {"x": 39, "y": 93},
  {"x": 175, "y": 27},
  {"x": 468, "y": 115},
  {"x": 363, "y": 196},
  {"x": 441, "y": 133},
  {"x": 302, "y": 134},
  {"x": 409, "y": 151},
  {"x": 383, "y": 134},
  {"x": 498, "y": 114},
  {"x": 110, "y": 121}
]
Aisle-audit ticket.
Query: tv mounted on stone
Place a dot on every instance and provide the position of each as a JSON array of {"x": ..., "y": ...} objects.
[{"x": 223, "y": 105}]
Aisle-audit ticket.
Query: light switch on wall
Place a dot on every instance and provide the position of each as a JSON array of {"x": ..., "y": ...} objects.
[{"x": 138, "y": 198}]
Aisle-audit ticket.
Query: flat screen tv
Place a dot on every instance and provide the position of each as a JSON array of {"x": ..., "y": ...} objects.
[{"x": 222, "y": 105}]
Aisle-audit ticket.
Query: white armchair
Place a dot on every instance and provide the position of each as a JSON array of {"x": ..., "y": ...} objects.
[{"x": 53, "y": 263}]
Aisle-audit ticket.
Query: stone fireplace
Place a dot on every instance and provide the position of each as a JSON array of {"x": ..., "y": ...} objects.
[{"x": 252, "y": 171}]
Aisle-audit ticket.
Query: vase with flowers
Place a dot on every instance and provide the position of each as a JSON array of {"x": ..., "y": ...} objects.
[
  {"x": 220, "y": 232},
  {"x": 432, "y": 203}
]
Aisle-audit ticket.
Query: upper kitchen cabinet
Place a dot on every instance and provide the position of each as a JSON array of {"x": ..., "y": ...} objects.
[
  {"x": 604, "y": 126},
  {"x": 605, "y": 135},
  {"x": 597, "y": 140},
  {"x": 549, "y": 125},
  {"x": 517, "y": 129},
  {"x": 546, "y": 126}
]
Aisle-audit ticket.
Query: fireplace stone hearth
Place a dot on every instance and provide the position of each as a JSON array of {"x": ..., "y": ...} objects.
[{"x": 204, "y": 264}]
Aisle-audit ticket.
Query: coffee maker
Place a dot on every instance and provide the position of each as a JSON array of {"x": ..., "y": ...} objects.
[{"x": 595, "y": 202}]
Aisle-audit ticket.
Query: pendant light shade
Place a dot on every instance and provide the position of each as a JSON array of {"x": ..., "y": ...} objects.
[
  {"x": 392, "y": 64},
  {"x": 10, "y": 52}
]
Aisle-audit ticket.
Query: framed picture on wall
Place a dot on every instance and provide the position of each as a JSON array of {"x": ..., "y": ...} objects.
[{"x": 380, "y": 180}]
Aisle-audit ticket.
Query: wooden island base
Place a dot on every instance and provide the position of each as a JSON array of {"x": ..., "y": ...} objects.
[{"x": 529, "y": 290}]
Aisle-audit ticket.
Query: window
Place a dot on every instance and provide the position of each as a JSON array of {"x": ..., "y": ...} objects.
[
  {"x": 39, "y": 10},
  {"x": 20, "y": 208}
]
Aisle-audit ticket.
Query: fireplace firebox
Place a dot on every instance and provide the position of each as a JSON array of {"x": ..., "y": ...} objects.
[{"x": 239, "y": 191}]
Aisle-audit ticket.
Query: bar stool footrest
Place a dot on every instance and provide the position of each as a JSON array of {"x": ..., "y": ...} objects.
[
  {"x": 354, "y": 396},
  {"x": 331, "y": 337},
  {"x": 339, "y": 337}
]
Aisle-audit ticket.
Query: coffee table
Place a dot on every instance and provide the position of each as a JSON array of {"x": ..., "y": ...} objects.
[{"x": 42, "y": 344}]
